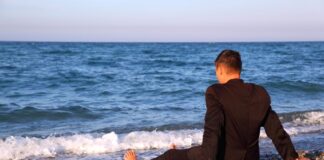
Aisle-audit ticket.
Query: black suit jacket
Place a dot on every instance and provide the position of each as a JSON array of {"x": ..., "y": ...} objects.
[{"x": 235, "y": 113}]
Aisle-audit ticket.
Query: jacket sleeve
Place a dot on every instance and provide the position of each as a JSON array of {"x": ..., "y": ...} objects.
[
  {"x": 214, "y": 121},
  {"x": 279, "y": 136}
]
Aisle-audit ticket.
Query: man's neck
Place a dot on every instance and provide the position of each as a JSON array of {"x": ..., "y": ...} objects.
[{"x": 233, "y": 76}]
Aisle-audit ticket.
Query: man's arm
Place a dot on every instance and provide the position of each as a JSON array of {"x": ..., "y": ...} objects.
[
  {"x": 279, "y": 136},
  {"x": 214, "y": 121}
]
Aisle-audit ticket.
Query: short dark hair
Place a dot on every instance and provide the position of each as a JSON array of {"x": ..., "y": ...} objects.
[{"x": 231, "y": 59}]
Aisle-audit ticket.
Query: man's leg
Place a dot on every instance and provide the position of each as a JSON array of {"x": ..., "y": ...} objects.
[
  {"x": 193, "y": 153},
  {"x": 173, "y": 154}
]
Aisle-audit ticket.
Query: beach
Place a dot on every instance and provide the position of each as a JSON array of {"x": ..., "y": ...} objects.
[{"x": 95, "y": 100}]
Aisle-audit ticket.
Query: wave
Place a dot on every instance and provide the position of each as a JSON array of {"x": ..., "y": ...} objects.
[
  {"x": 28, "y": 114},
  {"x": 17, "y": 147},
  {"x": 92, "y": 144},
  {"x": 312, "y": 117},
  {"x": 102, "y": 62},
  {"x": 60, "y": 51},
  {"x": 8, "y": 67},
  {"x": 301, "y": 122},
  {"x": 304, "y": 122},
  {"x": 168, "y": 108},
  {"x": 165, "y": 127},
  {"x": 296, "y": 86},
  {"x": 87, "y": 144},
  {"x": 74, "y": 75}
]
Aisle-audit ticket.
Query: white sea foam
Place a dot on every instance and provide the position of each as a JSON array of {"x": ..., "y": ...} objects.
[
  {"x": 22, "y": 147},
  {"x": 90, "y": 144},
  {"x": 316, "y": 117},
  {"x": 308, "y": 122}
]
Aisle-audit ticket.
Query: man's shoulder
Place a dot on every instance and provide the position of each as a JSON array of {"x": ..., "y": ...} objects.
[
  {"x": 261, "y": 91},
  {"x": 260, "y": 88},
  {"x": 217, "y": 89},
  {"x": 214, "y": 89},
  {"x": 214, "y": 86}
]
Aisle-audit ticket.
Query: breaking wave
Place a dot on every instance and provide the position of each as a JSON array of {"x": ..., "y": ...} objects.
[{"x": 17, "y": 147}]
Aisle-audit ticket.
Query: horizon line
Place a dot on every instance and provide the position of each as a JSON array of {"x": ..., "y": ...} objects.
[{"x": 49, "y": 41}]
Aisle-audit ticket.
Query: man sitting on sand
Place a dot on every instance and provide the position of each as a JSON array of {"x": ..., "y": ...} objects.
[{"x": 235, "y": 113}]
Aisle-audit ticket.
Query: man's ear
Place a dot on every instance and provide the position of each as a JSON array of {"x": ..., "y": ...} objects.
[{"x": 220, "y": 69}]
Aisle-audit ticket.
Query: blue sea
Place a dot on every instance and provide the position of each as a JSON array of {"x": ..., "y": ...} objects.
[{"x": 96, "y": 100}]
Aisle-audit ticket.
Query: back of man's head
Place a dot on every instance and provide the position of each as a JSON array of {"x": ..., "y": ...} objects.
[{"x": 231, "y": 59}]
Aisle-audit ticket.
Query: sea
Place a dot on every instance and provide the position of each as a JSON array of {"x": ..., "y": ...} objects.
[{"x": 71, "y": 100}]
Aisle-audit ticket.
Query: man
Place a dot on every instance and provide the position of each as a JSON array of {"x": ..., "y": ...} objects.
[{"x": 235, "y": 113}]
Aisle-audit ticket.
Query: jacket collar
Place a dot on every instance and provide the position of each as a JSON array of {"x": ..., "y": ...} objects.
[{"x": 235, "y": 80}]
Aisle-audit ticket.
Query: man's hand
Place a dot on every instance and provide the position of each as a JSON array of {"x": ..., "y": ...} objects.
[
  {"x": 130, "y": 155},
  {"x": 173, "y": 146}
]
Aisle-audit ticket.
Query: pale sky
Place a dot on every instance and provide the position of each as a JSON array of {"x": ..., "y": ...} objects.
[{"x": 162, "y": 20}]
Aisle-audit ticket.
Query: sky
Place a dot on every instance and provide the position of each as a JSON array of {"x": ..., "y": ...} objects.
[{"x": 162, "y": 20}]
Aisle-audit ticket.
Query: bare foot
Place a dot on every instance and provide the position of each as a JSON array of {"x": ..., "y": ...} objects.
[{"x": 130, "y": 155}]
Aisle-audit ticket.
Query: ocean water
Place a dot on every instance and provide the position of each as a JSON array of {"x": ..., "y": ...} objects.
[{"x": 95, "y": 100}]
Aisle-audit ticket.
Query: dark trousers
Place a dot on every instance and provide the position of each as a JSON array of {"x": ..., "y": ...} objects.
[
  {"x": 173, "y": 154},
  {"x": 193, "y": 153}
]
